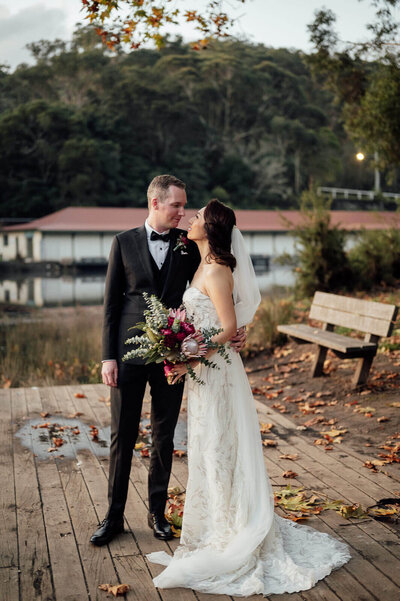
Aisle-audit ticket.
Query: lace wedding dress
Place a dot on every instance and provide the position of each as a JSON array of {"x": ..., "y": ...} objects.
[{"x": 232, "y": 542}]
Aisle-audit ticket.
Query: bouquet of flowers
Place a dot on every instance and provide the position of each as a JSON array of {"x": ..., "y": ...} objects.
[{"x": 169, "y": 336}]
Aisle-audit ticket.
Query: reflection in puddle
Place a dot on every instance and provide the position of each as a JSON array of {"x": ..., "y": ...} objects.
[{"x": 64, "y": 437}]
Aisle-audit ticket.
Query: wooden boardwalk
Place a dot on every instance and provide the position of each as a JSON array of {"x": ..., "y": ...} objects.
[{"x": 51, "y": 505}]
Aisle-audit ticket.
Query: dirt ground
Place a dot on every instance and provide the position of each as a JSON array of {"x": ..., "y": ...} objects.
[{"x": 326, "y": 409}]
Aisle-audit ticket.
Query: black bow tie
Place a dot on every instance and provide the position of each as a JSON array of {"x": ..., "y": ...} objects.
[{"x": 163, "y": 237}]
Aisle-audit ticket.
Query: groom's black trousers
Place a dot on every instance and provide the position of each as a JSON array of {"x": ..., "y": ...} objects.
[{"x": 126, "y": 408}]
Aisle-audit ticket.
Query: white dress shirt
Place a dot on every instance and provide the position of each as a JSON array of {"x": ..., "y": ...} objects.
[{"x": 157, "y": 248}]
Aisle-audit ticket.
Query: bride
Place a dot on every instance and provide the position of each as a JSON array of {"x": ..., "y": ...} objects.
[{"x": 232, "y": 542}]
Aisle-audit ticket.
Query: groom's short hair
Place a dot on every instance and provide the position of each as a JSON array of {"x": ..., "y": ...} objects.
[{"x": 159, "y": 187}]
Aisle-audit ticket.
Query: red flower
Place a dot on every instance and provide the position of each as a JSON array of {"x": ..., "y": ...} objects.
[
  {"x": 188, "y": 328},
  {"x": 181, "y": 336},
  {"x": 170, "y": 340}
]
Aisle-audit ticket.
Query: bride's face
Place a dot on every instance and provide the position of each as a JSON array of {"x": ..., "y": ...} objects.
[{"x": 196, "y": 229}]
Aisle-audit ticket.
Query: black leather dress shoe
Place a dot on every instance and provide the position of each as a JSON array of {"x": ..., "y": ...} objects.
[
  {"x": 161, "y": 528},
  {"x": 107, "y": 530}
]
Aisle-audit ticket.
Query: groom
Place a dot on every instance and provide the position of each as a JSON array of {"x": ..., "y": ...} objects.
[{"x": 152, "y": 258}]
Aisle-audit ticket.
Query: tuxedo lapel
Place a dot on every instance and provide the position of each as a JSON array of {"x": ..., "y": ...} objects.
[{"x": 144, "y": 253}]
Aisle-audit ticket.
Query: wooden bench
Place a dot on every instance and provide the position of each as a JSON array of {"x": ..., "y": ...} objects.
[{"x": 373, "y": 319}]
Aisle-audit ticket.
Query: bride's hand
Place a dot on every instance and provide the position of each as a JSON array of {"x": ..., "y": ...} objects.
[
  {"x": 238, "y": 342},
  {"x": 180, "y": 369}
]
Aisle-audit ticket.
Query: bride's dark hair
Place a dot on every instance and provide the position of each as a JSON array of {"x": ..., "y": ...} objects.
[{"x": 219, "y": 221}]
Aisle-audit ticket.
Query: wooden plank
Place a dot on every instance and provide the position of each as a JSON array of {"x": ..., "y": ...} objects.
[
  {"x": 349, "y": 304},
  {"x": 378, "y": 556},
  {"x": 9, "y": 588},
  {"x": 342, "y": 344},
  {"x": 342, "y": 581},
  {"x": 8, "y": 516},
  {"x": 347, "y": 467},
  {"x": 61, "y": 540},
  {"x": 331, "y": 486},
  {"x": 35, "y": 576},
  {"x": 97, "y": 562},
  {"x": 127, "y": 556},
  {"x": 353, "y": 321},
  {"x": 362, "y": 571}
]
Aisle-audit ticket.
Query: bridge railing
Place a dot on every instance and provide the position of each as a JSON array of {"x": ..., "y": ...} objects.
[{"x": 352, "y": 194}]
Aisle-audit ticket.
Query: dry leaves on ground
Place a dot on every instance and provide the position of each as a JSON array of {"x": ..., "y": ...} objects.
[
  {"x": 116, "y": 589},
  {"x": 175, "y": 506},
  {"x": 289, "y": 474}
]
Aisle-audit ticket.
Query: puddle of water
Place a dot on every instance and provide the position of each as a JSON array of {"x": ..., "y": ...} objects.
[
  {"x": 74, "y": 434},
  {"x": 77, "y": 436}
]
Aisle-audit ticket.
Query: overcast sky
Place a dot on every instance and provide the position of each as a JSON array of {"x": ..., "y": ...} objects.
[{"x": 271, "y": 22}]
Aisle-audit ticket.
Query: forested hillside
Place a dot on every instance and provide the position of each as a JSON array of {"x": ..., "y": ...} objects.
[{"x": 246, "y": 123}]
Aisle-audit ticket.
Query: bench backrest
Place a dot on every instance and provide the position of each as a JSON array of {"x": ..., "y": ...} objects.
[{"x": 365, "y": 316}]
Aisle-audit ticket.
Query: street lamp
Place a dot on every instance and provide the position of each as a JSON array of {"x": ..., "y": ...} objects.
[{"x": 360, "y": 156}]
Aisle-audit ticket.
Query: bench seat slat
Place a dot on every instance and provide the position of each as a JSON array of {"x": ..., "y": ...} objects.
[
  {"x": 340, "y": 343},
  {"x": 356, "y": 314}
]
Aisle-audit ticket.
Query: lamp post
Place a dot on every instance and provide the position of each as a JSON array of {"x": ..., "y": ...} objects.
[{"x": 360, "y": 156}]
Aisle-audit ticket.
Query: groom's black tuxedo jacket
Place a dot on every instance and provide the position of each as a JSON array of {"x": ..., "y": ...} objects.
[{"x": 132, "y": 271}]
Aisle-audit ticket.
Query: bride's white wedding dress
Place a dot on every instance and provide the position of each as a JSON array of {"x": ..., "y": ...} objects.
[{"x": 232, "y": 542}]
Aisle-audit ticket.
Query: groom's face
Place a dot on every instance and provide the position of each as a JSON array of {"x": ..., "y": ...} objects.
[{"x": 172, "y": 209}]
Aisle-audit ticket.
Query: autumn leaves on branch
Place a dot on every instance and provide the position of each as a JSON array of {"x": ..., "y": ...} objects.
[{"x": 144, "y": 20}]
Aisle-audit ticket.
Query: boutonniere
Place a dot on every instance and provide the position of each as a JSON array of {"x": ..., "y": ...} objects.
[{"x": 182, "y": 244}]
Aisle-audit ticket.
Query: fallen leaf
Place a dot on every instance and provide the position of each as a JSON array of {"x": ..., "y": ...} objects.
[
  {"x": 334, "y": 432},
  {"x": 289, "y": 474},
  {"x": 395, "y": 404},
  {"x": 352, "y": 511},
  {"x": 117, "y": 589},
  {"x": 269, "y": 443},
  {"x": 370, "y": 466},
  {"x": 291, "y": 457},
  {"x": 139, "y": 445},
  {"x": 44, "y": 413},
  {"x": 94, "y": 433},
  {"x": 382, "y": 419},
  {"x": 266, "y": 428},
  {"x": 57, "y": 441},
  {"x": 76, "y": 414},
  {"x": 79, "y": 395},
  {"x": 179, "y": 453}
]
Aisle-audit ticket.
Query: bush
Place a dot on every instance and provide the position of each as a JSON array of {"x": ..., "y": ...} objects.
[
  {"x": 262, "y": 333},
  {"x": 321, "y": 258},
  {"x": 375, "y": 260}
]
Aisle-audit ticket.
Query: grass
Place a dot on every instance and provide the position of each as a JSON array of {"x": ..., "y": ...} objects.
[
  {"x": 62, "y": 346},
  {"x": 63, "y": 349}
]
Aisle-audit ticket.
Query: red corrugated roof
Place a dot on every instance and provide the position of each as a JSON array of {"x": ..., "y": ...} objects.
[{"x": 109, "y": 219}]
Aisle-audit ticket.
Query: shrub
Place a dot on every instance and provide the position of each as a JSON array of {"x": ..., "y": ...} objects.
[
  {"x": 375, "y": 260},
  {"x": 322, "y": 263},
  {"x": 262, "y": 333}
]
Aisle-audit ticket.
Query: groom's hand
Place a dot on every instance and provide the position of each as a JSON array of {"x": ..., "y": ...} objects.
[
  {"x": 109, "y": 373},
  {"x": 238, "y": 342}
]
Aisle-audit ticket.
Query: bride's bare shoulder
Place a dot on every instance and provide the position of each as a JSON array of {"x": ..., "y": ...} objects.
[{"x": 218, "y": 274}]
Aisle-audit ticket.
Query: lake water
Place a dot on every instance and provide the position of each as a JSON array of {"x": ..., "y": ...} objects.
[{"x": 89, "y": 289}]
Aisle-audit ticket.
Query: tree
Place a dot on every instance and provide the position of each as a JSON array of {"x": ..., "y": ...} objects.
[
  {"x": 365, "y": 78},
  {"x": 145, "y": 19}
]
